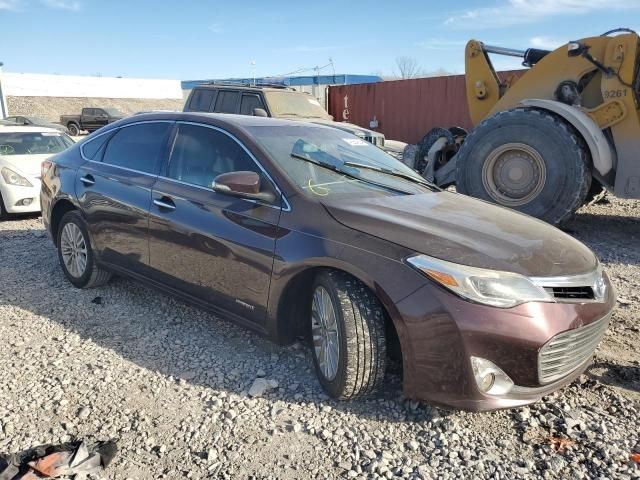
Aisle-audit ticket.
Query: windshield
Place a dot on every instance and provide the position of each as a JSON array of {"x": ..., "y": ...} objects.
[
  {"x": 30, "y": 143},
  {"x": 326, "y": 162},
  {"x": 113, "y": 112},
  {"x": 39, "y": 120},
  {"x": 295, "y": 104}
]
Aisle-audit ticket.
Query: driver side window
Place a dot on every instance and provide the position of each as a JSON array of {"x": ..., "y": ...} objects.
[{"x": 200, "y": 154}]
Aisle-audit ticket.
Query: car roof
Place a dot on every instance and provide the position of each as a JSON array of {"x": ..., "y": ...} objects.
[
  {"x": 219, "y": 119},
  {"x": 4, "y": 128},
  {"x": 262, "y": 88}
]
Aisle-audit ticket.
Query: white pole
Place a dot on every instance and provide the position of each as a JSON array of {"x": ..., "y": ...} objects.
[{"x": 3, "y": 99}]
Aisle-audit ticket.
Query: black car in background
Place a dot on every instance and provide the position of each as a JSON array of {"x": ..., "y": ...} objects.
[
  {"x": 90, "y": 119},
  {"x": 36, "y": 122}
]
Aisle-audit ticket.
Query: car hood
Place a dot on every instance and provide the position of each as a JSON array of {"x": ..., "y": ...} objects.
[
  {"x": 347, "y": 127},
  {"x": 467, "y": 231},
  {"x": 24, "y": 164}
]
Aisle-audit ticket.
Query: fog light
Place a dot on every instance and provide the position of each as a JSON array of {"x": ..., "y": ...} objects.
[
  {"x": 487, "y": 382},
  {"x": 24, "y": 202},
  {"x": 490, "y": 378}
]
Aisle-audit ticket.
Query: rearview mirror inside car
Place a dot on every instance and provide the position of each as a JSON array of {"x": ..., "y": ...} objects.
[
  {"x": 241, "y": 184},
  {"x": 260, "y": 112}
]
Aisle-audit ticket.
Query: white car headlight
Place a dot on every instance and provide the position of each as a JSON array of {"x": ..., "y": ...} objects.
[
  {"x": 489, "y": 287},
  {"x": 12, "y": 178}
]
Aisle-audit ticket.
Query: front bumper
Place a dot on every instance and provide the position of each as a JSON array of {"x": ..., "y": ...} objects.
[
  {"x": 440, "y": 332},
  {"x": 14, "y": 196}
]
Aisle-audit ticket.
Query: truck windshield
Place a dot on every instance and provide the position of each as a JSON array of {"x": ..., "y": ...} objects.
[
  {"x": 23, "y": 143},
  {"x": 295, "y": 104},
  {"x": 327, "y": 162}
]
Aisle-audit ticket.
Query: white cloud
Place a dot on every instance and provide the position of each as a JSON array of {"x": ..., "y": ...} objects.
[
  {"x": 515, "y": 12},
  {"x": 546, "y": 43},
  {"x": 217, "y": 28},
  {"x": 441, "y": 44},
  {"x": 9, "y": 4},
  {"x": 71, "y": 5}
]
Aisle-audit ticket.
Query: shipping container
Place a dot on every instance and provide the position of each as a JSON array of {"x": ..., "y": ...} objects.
[{"x": 405, "y": 109}]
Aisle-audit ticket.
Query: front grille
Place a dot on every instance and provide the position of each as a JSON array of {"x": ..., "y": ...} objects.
[
  {"x": 568, "y": 350},
  {"x": 571, "y": 293},
  {"x": 377, "y": 141}
]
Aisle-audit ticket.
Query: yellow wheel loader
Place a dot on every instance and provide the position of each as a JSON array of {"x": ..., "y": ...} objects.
[{"x": 545, "y": 141}]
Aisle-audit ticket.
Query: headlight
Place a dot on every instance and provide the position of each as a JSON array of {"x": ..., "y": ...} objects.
[
  {"x": 489, "y": 287},
  {"x": 12, "y": 178}
]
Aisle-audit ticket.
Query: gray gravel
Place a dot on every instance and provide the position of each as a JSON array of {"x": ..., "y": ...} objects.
[{"x": 191, "y": 396}]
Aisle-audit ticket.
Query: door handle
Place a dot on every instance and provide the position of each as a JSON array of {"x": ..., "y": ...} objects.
[
  {"x": 165, "y": 203},
  {"x": 88, "y": 180}
]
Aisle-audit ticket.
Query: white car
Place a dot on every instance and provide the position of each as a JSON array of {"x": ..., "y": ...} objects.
[{"x": 22, "y": 151}]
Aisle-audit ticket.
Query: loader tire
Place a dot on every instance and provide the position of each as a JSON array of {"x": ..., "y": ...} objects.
[{"x": 528, "y": 160}]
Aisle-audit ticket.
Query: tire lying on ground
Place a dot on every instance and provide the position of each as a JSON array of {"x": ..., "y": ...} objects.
[
  {"x": 352, "y": 363},
  {"x": 528, "y": 160}
]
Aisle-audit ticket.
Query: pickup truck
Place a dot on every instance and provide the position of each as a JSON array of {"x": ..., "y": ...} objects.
[{"x": 90, "y": 119}]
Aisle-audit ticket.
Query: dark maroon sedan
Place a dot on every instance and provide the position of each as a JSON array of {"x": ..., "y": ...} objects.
[{"x": 298, "y": 230}]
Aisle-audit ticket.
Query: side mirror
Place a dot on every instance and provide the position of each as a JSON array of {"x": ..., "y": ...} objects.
[
  {"x": 241, "y": 184},
  {"x": 260, "y": 112}
]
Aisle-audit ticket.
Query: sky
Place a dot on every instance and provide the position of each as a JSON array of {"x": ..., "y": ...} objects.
[{"x": 197, "y": 39}]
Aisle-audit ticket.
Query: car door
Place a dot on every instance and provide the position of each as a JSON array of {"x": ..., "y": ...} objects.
[
  {"x": 250, "y": 102},
  {"x": 213, "y": 247},
  {"x": 87, "y": 119},
  {"x": 114, "y": 190},
  {"x": 101, "y": 118},
  {"x": 227, "y": 101}
]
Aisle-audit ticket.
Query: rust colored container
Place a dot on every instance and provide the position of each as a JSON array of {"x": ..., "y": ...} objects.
[{"x": 404, "y": 109}]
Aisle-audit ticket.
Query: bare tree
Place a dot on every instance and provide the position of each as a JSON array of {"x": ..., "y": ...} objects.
[{"x": 407, "y": 68}]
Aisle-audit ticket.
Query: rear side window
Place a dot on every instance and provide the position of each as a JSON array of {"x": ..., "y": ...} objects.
[
  {"x": 249, "y": 102},
  {"x": 138, "y": 147},
  {"x": 201, "y": 100},
  {"x": 226, "y": 101},
  {"x": 92, "y": 149}
]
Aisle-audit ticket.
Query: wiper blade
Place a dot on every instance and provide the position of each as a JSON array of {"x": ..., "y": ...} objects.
[
  {"x": 388, "y": 171},
  {"x": 331, "y": 166}
]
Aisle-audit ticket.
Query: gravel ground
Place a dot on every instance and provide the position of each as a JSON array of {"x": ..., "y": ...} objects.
[{"x": 172, "y": 384}]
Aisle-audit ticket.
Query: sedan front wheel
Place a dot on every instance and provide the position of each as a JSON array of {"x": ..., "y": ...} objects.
[{"x": 348, "y": 335}]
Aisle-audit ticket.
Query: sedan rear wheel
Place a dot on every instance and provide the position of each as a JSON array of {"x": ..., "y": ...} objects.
[
  {"x": 75, "y": 253},
  {"x": 3, "y": 212},
  {"x": 348, "y": 335}
]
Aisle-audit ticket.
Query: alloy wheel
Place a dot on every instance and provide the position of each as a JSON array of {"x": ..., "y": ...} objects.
[
  {"x": 73, "y": 248},
  {"x": 324, "y": 329}
]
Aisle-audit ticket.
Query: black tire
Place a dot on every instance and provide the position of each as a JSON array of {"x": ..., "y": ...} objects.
[
  {"x": 4, "y": 215},
  {"x": 596, "y": 194},
  {"x": 362, "y": 358},
  {"x": 93, "y": 276},
  {"x": 562, "y": 155},
  {"x": 74, "y": 129}
]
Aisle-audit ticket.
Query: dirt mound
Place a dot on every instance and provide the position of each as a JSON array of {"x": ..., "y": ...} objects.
[{"x": 52, "y": 107}]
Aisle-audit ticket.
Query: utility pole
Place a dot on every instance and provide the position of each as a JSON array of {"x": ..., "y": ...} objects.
[{"x": 3, "y": 98}]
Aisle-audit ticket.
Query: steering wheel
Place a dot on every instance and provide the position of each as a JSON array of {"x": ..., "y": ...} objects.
[{"x": 7, "y": 150}]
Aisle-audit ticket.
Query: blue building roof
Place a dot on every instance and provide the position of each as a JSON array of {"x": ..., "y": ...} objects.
[{"x": 342, "y": 79}]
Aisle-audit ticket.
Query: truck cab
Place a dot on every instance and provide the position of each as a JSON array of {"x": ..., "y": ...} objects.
[{"x": 269, "y": 101}]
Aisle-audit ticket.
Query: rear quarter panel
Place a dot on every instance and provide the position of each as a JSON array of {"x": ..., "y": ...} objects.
[{"x": 59, "y": 183}]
